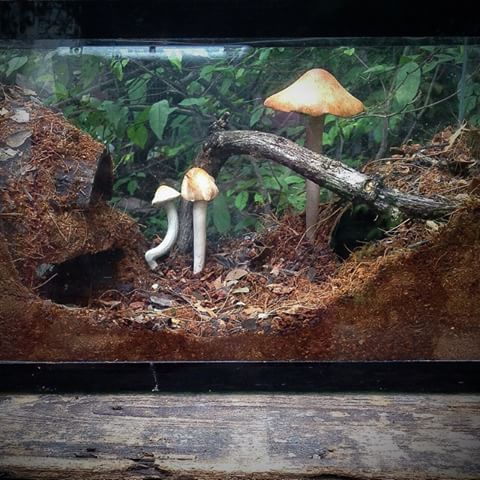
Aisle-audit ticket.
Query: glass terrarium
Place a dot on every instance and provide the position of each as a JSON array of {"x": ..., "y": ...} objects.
[{"x": 240, "y": 200}]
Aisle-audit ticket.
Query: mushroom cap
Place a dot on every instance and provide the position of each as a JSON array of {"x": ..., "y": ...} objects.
[
  {"x": 164, "y": 194},
  {"x": 316, "y": 93},
  {"x": 198, "y": 185}
]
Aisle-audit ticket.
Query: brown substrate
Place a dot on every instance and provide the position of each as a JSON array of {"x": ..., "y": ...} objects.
[
  {"x": 414, "y": 294},
  {"x": 411, "y": 303}
]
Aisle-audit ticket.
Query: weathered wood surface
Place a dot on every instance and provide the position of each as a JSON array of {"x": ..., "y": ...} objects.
[{"x": 234, "y": 436}]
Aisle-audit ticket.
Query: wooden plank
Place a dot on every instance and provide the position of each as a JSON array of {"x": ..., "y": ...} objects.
[{"x": 240, "y": 436}]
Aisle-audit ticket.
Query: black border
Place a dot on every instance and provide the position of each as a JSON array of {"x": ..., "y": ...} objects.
[
  {"x": 221, "y": 376},
  {"x": 176, "y": 19}
]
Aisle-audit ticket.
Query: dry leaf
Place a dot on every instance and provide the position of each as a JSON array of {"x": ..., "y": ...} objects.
[
  {"x": 217, "y": 283},
  {"x": 294, "y": 309},
  {"x": 275, "y": 271},
  {"x": 18, "y": 138},
  {"x": 21, "y": 116},
  {"x": 6, "y": 154},
  {"x": 252, "y": 311},
  {"x": 3, "y": 111},
  {"x": 137, "y": 305},
  {"x": 162, "y": 301},
  {"x": 235, "y": 274},
  {"x": 432, "y": 226},
  {"x": 454, "y": 136},
  {"x": 209, "y": 311},
  {"x": 241, "y": 290},
  {"x": 27, "y": 91},
  {"x": 280, "y": 289},
  {"x": 110, "y": 303}
]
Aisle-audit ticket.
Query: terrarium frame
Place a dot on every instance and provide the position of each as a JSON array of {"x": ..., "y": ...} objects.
[{"x": 301, "y": 376}]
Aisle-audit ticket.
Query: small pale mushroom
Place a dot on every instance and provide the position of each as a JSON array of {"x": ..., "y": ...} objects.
[
  {"x": 165, "y": 196},
  {"x": 316, "y": 93},
  {"x": 199, "y": 187}
]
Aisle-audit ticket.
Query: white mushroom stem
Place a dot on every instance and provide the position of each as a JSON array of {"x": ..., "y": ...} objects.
[
  {"x": 199, "y": 235},
  {"x": 313, "y": 142},
  {"x": 169, "y": 239}
]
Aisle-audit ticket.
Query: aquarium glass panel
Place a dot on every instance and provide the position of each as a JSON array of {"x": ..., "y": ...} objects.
[{"x": 240, "y": 200}]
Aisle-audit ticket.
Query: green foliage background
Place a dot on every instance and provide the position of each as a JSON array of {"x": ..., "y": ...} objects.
[{"x": 154, "y": 114}]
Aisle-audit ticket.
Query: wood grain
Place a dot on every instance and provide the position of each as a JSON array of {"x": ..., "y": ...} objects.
[{"x": 240, "y": 436}]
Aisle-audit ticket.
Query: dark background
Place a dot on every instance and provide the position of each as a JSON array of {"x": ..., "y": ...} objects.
[{"x": 174, "y": 19}]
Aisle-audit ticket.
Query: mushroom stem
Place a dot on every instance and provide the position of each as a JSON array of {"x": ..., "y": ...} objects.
[
  {"x": 169, "y": 239},
  {"x": 199, "y": 235},
  {"x": 313, "y": 142}
]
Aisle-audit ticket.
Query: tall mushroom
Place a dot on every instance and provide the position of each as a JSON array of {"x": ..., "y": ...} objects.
[
  {"x": 199, "y": 187},
  {"x": 165, "y": 196},
  {"x": 316, "y": 93}
]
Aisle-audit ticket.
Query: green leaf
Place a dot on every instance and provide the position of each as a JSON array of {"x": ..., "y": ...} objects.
[
  {"x": 61, "y": 90},
  {"x": 297, "y": 201},
  {"x": 349, "y": 51},
  {"x": 171, "y": 152},
  {"x": 407, "y": 82},
  {"x": 206, "y": 72},
  {"x": 132, "y": 186},
  {"x": 158, "y": 117},
  {"x": 115, "y": 113},
  {"x": 195, "y": 89},
  {"x": 142, "y": 116},
  {"x": 175, "y": 58},
  {"x": 15, "y": 64},
  {"x": 264, "y": 54},
  {"x": 121, "y": 181},
  {"x": 379, "y": 69},
  {"x": 241, "y": 200},
  {"x": 137, "y": 90},
  {"x": 178, "y": 121},
  {"x": 226, "y": 84},
  {"x": 138, "y": 135},
  {"x": 256, "y": 116},
  {"x": 117, "y": 69},
  {"x": 239, "y": 73},
  {"x": 470, "y": 103},
  {"x": 221, "y": 215},
  {"x": 244, "y": 223},
  {"x": 258, "y": 198},
  {"x": 293, "y": 179},
  {"x": 188, "y": 102}
]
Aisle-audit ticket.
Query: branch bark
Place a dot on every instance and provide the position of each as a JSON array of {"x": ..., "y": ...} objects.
[{"x": 327, "y": 172}]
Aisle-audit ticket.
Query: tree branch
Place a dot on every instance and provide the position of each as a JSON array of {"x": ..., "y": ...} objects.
[{"x": 327, "y": 172}]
